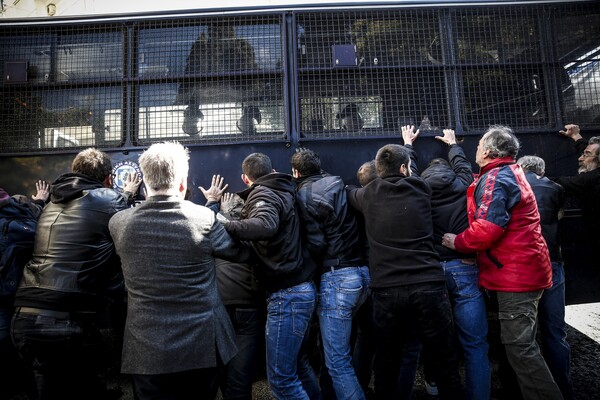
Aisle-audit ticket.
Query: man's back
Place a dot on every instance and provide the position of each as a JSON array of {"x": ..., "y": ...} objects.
[
  {"x": 270, "y": 221},
  {"x": 397, "y": 213},
  {"x": 74, "y": 263},
  {"x": 550, "y": 200},
  {"x": 330, "y": 227},
  {"x": 182, "y": 318}
]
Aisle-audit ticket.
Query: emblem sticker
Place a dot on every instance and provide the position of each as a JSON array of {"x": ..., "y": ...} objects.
[{"x": 122, "y": 170}]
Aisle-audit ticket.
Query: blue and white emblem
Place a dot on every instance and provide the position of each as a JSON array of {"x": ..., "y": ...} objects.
[{"x": 122, "y": 170}]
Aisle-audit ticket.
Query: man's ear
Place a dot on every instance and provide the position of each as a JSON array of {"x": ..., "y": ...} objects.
[
  {"x": 245, "y": 180},
  {"x": 295, "y": 173},
  {"x": 403, "y": 169},
  {"x": 183, "y": 186},
  {"x": 108, "y": 181}
]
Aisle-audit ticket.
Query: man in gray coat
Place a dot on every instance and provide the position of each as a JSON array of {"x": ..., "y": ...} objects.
[{"x": 177, "y": 333}]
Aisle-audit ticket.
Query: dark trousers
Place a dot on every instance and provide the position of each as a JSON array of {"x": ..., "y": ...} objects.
[
  {"x": 65, "y": 354},
  {"x": 185, "y": 385},
  {"x": 404, "y": 313},
  {"x": 238, "y": 376}
]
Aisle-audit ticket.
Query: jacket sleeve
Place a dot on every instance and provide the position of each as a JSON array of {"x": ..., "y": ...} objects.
[
  {"x": 354, "y": 197},
  {"x": 495, "y": 196},
  {"x": 262, "y": 221},
  {"x": 414, "y": 169},
  {"x": 225, "y": 247},
  {"x": 573, "y": 184},
  {"x": 460, "y": 164}
]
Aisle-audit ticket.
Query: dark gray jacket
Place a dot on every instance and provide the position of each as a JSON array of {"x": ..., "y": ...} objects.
[{"x": 175, "y": 318}]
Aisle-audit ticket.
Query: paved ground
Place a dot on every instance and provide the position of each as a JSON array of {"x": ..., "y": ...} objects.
[{"x": 583, "y": 336}]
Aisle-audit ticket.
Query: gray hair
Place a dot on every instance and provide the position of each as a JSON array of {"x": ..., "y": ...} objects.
[
  {"x": 163, "y": 165},
  {"x": 501, "y": 142},
  {"x": 534, "y": 164}
]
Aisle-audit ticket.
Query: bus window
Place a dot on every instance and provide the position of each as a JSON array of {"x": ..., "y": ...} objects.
[
  {"x": 225, "y": 80},
  {"x": 578, "y": 50}
]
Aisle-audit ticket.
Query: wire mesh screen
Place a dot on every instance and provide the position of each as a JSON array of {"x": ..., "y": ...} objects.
[
  {"x": 62, "y": 88},
  {"x": 578, "y": 70},
  {"x": 352, "y": 73},
  {"x": 218, "y": 80},
  {"x": 502, "y": 68},
  {"x": 367, "y": 74}
]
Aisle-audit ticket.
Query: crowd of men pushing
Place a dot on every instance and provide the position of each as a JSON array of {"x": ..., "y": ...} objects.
[{"x": 411, "y": 259}]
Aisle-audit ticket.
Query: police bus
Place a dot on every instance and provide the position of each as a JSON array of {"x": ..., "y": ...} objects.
[{"x": 340, "y": 78}]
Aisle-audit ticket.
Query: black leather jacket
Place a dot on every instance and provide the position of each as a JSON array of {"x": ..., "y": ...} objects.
[
  {"x": 270, "y": 223},
  {"x": 330, "y": 229},
  {"x": 74, "y": 265}
]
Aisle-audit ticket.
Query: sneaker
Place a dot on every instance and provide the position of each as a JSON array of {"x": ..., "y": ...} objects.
[{"x": 432, "y": 388}]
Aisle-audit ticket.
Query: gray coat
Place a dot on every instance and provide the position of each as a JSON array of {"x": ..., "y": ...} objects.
[{"x": 175, "y": 318}]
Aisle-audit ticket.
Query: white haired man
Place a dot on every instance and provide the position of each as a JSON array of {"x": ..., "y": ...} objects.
[
  {"x": 178, "y": 333},
  {"x": 504, "y": 230}
]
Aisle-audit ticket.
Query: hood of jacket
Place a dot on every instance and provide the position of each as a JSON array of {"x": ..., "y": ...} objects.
[
  {"x": 71, "y": 186},
  {"x": 439, "y": 176},
  {"x": 275, "y": 180}
]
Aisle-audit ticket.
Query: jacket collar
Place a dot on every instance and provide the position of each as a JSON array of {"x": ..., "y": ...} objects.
[{"x": 496, "y": 162}]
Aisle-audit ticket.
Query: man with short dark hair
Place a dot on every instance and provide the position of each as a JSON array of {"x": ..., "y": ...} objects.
[
  {"x": 408, "y": 287},
  {"x": 72, "y": 277},
  {"x": 551, "y": 310},
  {"x": 331, "y": 236},
  {"x": 270, "y": 223},
  {"x": 514, "y": 264}
]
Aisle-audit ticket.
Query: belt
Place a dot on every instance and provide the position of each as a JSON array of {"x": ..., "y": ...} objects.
[
  {"x": 335, "y": 264},
  {"x": 44, "y": 312}
]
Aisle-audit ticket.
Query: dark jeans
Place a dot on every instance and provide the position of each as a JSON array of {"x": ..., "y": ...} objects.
[
  {"x": 403, "y": 313},
  {"x": 66, "y": 355},
  {"x": 185, "y": 385},
  {"x": 249, "y": 325}
]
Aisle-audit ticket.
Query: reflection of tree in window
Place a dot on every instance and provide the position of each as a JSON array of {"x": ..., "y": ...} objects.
[{"x": 219, "y": 51}]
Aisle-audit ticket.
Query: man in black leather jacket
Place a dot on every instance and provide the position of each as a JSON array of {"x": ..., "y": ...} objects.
[
  {"x": 332, "y": 238},
  {"x": 71, "y": 277}
]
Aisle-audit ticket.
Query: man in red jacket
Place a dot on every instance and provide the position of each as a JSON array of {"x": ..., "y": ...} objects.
[{"x": 504, "y": 229}]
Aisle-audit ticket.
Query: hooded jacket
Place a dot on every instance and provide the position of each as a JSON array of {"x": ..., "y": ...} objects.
[
  {"x": 449, "y": 199},
  {"x": 74, "y": 265},
  {"x": 270, "y": 223},
  {"x": 504, "y": 229}
]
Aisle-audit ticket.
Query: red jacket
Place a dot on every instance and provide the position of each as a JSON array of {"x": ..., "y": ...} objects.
[{"x": 504, "y": 230}]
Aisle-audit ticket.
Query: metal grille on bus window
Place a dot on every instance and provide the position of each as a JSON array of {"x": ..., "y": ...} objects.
[
  {"x": 502, "y": 73},
  {"x": 367, "y": 74},
  {"x": 215, "y": 80},
  {"x": 577, "y": 34},
  {"x": 61, "y": 88}
]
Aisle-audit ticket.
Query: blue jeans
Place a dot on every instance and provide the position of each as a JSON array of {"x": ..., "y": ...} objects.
[
  {"x": 289, "y": 313},
  {"x": 470, "y": 322},
  {"x": 403, "y": 313},
  {"x": 551, "y": 321},
  {"x": 342, "y": 292},
  {"x": 249, "y": 326},
  {"x": 517, "y": 312}
]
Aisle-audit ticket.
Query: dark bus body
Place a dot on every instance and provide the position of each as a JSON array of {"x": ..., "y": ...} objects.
[{"x": 338, "y": 78}]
